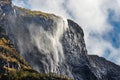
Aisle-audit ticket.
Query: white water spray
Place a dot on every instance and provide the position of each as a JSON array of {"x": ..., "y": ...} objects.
[{"x": 49, "y": 42}]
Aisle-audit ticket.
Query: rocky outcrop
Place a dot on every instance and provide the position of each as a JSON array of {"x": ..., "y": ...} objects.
[
  {"x": 51, "y": 44},
  {"x": 104, "y": 69}
]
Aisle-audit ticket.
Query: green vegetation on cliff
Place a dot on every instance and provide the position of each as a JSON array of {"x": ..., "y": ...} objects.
[
  {"x": 25, "y": 12},
  {"x": 30, "y": 75}
]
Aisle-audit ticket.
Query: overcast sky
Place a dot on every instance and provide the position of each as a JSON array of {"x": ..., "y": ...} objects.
[{"x": 100, "y": 20}]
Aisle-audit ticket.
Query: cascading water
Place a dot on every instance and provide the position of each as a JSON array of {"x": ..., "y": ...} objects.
[
  {"x": 40, "y": 44},
  {"x": 48, "y": 42}
]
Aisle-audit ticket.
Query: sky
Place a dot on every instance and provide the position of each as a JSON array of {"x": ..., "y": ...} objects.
[{"x": 100, "y": 20}]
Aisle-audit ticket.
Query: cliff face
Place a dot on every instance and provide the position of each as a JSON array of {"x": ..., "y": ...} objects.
[
  {"x": 9, "y": 57},
  {"x": 50, "y": 44}
]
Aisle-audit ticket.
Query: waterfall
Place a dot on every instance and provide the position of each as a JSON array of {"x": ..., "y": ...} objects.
[
  {"x": 41, "y": 47},
  {"x": 49, "y": 43},
  {"x": 14, "y": 11},
  {"x": 1, "y": 13}
]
